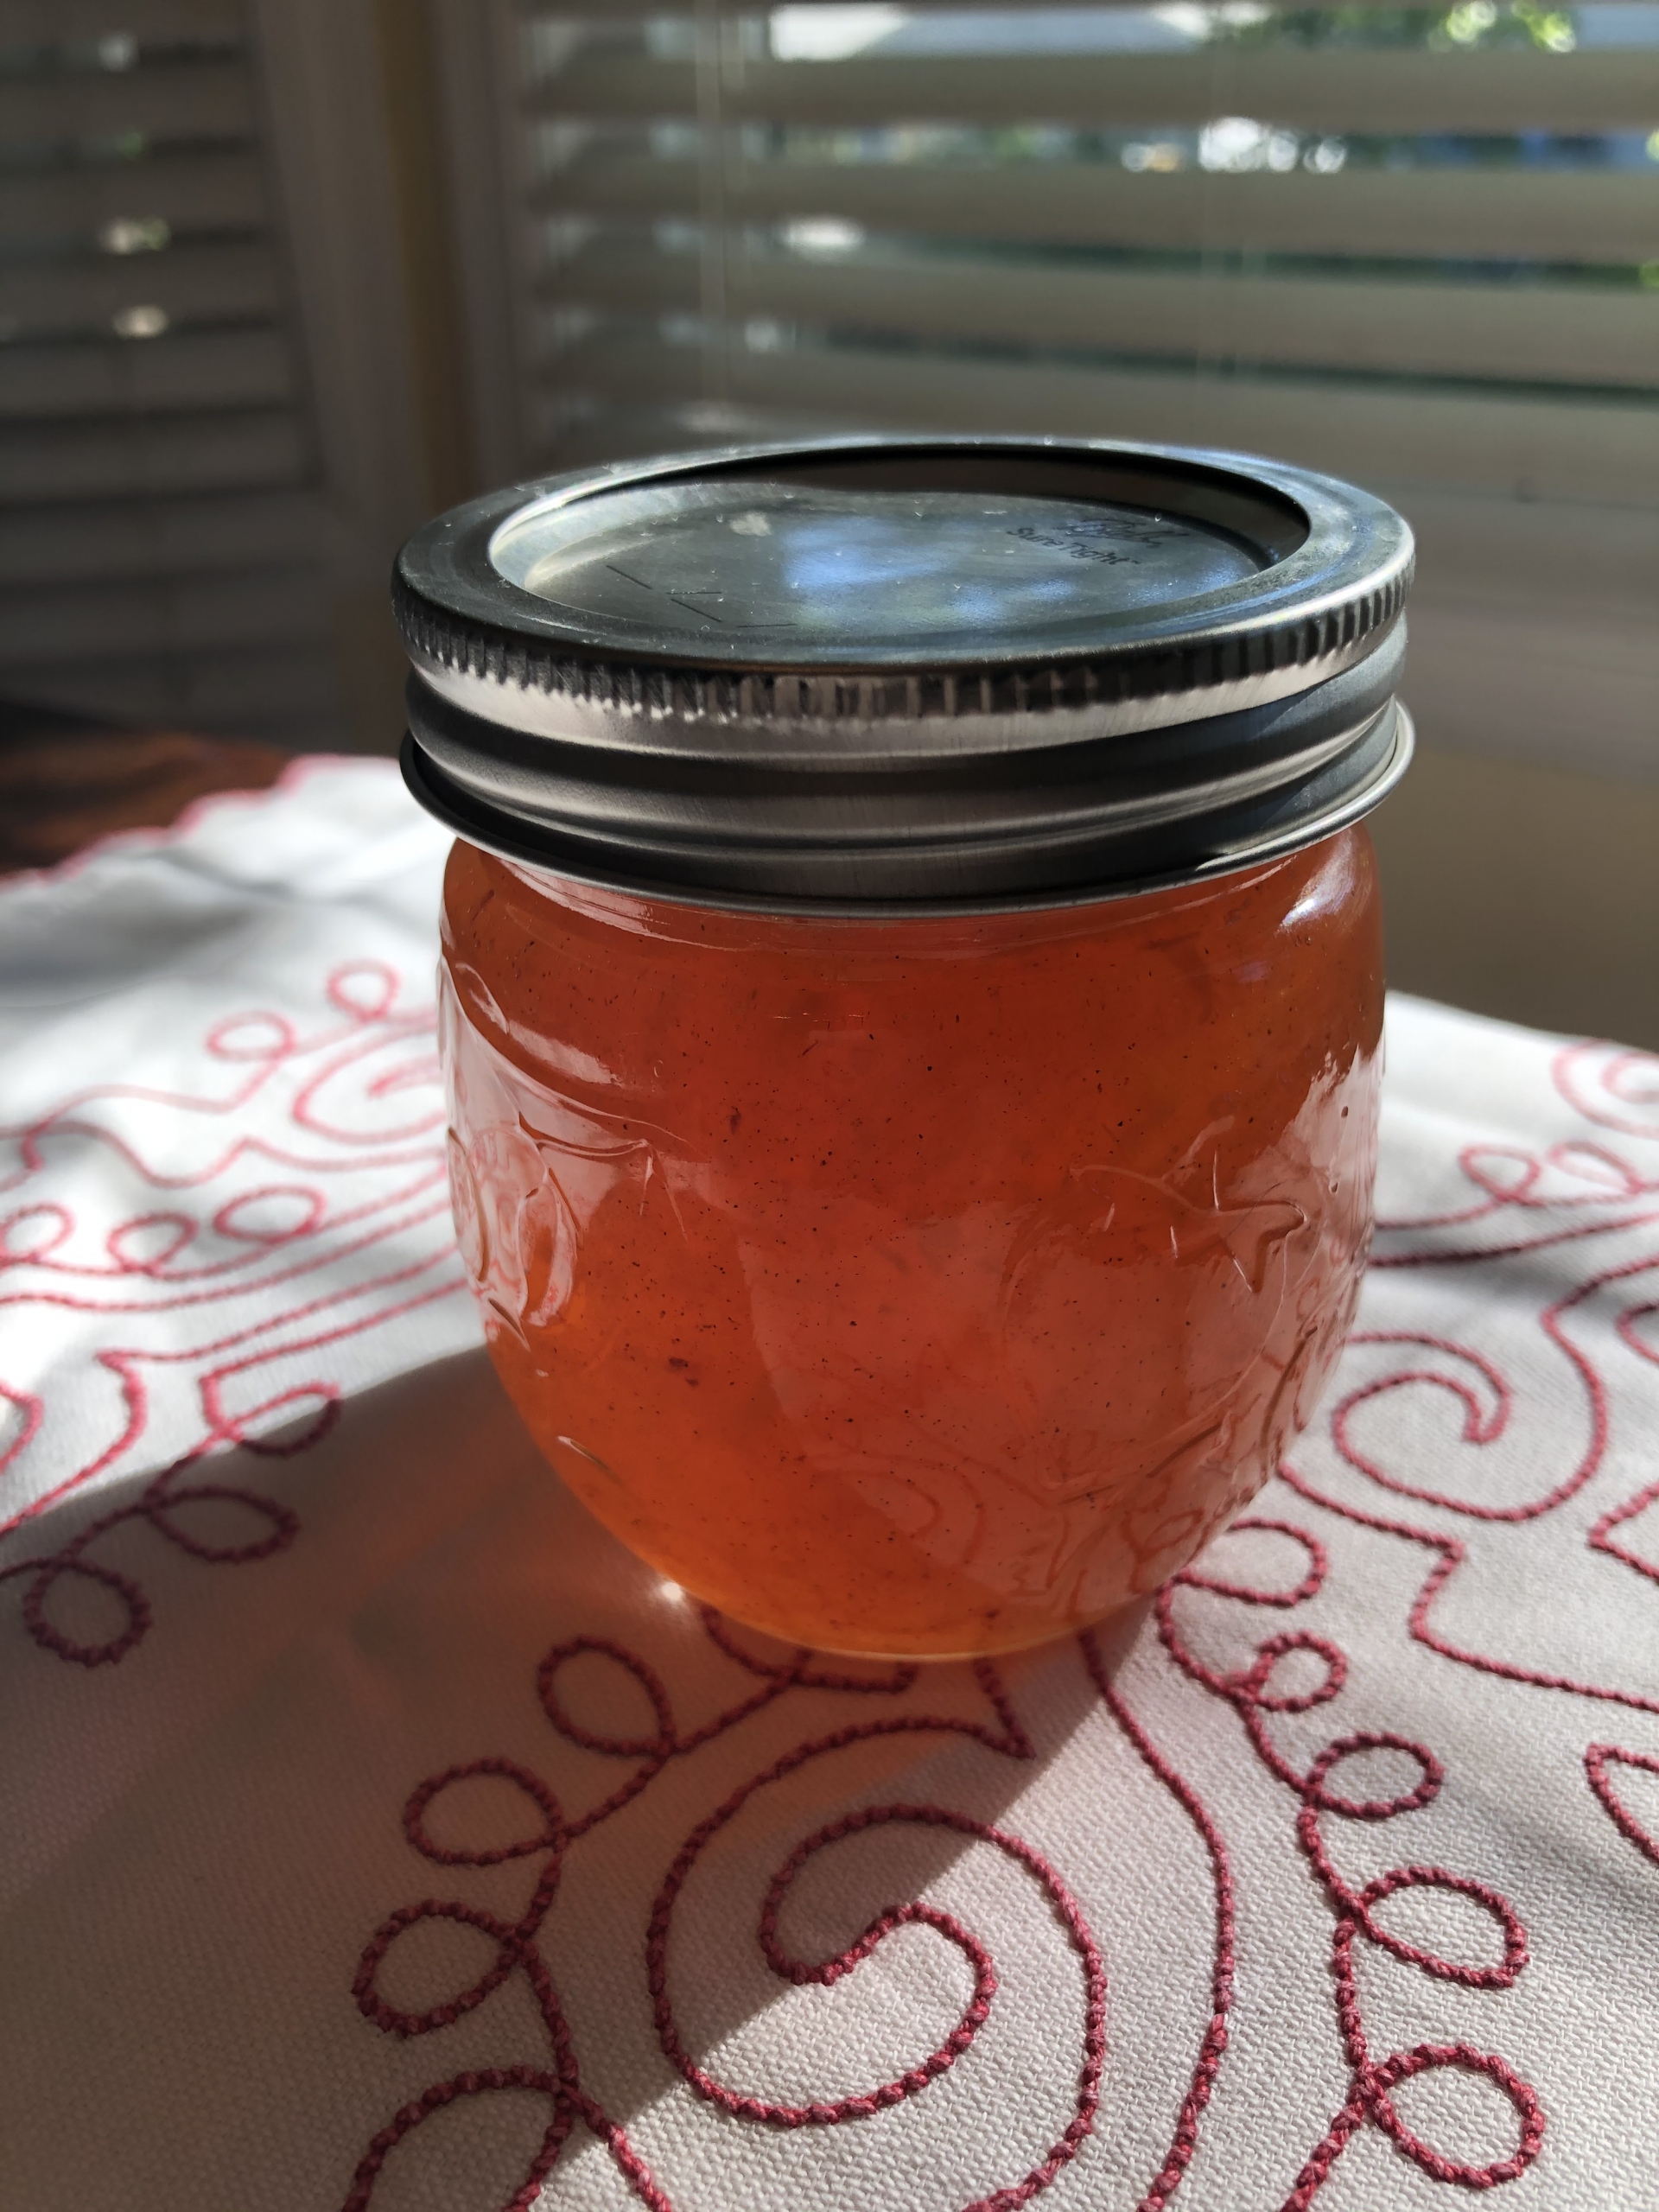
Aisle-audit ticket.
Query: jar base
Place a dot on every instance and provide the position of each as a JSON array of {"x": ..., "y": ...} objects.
[{"x": 1131, "y": 1609}]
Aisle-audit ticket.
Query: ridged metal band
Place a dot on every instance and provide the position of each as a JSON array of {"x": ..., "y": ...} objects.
[
  {"x": 530, "y": 683},
  {"x": 1062, "y": 836}
]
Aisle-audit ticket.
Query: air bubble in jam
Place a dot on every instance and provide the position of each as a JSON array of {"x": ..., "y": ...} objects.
[{"x": 923, "y": 1287}]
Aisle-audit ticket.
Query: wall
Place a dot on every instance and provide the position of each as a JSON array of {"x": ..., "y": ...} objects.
[{"x": 1528, "y": 892}]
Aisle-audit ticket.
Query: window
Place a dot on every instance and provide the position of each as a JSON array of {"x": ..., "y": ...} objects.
[
  {"x": 1415, "y": 246},
  {"x": 208, "y": 447}
]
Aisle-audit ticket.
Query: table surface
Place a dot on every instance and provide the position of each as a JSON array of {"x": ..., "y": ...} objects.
[
  {"x": 64, "y": 783},
  {"x": 377, "y": 1833}
]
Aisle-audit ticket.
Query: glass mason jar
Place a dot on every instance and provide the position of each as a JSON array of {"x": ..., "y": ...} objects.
[{"x": 912, "y": 1002}]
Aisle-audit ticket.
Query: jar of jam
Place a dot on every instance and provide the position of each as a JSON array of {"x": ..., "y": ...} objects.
[{"x": 911, "y": 1001}]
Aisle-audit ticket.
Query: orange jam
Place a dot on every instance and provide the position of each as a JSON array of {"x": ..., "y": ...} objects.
[{"x": 921, "y": 1287}]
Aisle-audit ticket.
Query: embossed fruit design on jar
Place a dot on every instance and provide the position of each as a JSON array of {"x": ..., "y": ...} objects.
[{"x": 912, "y": 1002}]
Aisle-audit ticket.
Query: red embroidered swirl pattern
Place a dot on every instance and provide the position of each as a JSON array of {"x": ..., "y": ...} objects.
[
  {"x": 1247, "y": 1690},
  {"x": 516, "y": 1945},
  {"x": 349, "y": 1105}
]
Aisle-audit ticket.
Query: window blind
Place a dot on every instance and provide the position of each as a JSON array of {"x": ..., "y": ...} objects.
[
  {"x": 1415, "y": 246},
  {"x": 162, "y": 527}
]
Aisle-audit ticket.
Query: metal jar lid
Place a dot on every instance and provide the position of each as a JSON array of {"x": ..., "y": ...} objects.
[{"x": 859, "y": 673}]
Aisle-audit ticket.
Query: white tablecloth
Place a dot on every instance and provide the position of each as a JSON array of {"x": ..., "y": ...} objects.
[{"x": 376, "y": 1831}]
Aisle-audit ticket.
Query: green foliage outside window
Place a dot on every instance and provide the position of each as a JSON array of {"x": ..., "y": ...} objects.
[{"x": 1474, "y": 23}]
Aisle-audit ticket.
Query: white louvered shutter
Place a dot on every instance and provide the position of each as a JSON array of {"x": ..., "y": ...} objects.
[
  {"x": 172, "y": 540},
  {"x": 1418, "y": 247}
]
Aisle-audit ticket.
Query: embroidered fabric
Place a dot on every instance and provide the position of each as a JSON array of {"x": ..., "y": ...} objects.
[{"x": 378, "y": 1834}]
